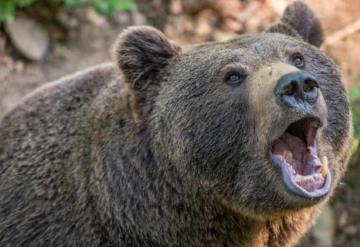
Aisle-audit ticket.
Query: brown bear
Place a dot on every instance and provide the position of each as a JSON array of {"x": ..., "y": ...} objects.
[{"x": 235, "y": 143}]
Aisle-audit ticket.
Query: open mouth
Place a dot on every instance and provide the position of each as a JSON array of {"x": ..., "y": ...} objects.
[{"x": 295, "y": 153}]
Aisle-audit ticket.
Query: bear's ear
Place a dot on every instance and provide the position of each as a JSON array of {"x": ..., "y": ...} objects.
[
  {"x": 299, "y": 20},
  {"x": 141, "y": 53}
]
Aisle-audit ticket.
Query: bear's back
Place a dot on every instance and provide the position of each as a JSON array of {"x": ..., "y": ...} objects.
[{"x": 42, "y": 174}]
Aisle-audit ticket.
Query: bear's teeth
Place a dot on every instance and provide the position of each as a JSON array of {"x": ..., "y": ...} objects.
[
  {"x": 309, "y": 178},
  {"x": 289, "y": 166},
  {"x": 293, "y": 172},
  {"x": 324, "y": 168},
  {"x": 288, "y": 156}
]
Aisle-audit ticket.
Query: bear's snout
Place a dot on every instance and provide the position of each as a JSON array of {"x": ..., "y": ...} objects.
[{"x": 298, "y": 90}]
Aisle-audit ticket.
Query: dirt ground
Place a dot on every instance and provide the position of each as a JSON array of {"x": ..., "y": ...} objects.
[{"x": 81, "y": 38}]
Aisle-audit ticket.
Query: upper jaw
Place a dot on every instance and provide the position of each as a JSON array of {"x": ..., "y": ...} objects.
[
  {"x": 318, "y": 123},
  {"x": 295, "y": 155}
]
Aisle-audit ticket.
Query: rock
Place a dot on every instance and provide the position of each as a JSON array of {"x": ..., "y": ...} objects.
[
  {"x": 28, "y": 37},
  {"x": 94, "y": 18},
  {"x": 325, "y": 228},
  {"x": 123, "y": 19},
  {"x": 2, "y": 42},
  {"x": 322, "y": 233},
  {"x": 138, "y": 18},
  {"x": 14, "y": 86},
  {"x": 67, "y": 20}
]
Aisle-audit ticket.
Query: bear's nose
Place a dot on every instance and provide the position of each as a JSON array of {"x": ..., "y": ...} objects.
[{"x": 296, "y": 89}]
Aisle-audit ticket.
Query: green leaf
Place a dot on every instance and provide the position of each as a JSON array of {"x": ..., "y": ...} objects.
[
  {"x": 23, "y": 3},
  {"x": 124, "y": 5},
  {"x": 354, "y": 94},
  {"x": 7, "y": 8},
  {"x": 358, "y": 78},
  {"x": 355, "y": 144},
  {"x": 107, "y": 7},
  {"x": 104, "y": 7},
  {"x": 356, "y": 123},
  {"x": 72, "y": 3}
]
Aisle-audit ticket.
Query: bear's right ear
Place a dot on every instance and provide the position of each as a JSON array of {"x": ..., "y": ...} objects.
[
  {"x": 141, "y": 53},
  {"x": 300, "y": 21}
]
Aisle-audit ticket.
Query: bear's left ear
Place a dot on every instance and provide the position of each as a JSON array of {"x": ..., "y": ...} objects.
[
  {"x": 141, "y": 53},
  {"x": 299, "y": 20}
]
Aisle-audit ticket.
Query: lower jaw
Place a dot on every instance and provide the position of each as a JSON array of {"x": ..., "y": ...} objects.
[{"x": 300, "y": 191}]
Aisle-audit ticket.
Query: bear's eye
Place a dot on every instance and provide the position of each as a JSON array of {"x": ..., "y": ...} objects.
[
  {"x": 234, "y": 78},
  {"x": 298, "y": 60}
]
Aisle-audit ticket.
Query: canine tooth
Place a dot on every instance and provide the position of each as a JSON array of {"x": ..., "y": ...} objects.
[
  {"x": 324, "y": 168},
  {"x": 317, "y": 177},
  {"x": 292, "y": 170},
  {"x": 288, "y": 156},
  {"x": 298, "y": 178}
]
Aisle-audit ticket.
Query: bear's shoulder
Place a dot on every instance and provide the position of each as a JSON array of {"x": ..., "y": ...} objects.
[
  {"x": 55, "y": 114},
  {"x": 42, "y": 137},
  {"x": 67, "y": 93}
]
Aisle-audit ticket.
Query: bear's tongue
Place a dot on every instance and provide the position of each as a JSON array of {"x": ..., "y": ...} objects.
[{"x": 301, "y": 160}]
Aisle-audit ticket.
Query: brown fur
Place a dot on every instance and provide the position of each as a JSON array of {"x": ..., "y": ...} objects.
[{"x": 157, "y": 150}]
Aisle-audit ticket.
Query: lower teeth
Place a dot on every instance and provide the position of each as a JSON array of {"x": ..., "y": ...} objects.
[{"x": 309, "y": 178}]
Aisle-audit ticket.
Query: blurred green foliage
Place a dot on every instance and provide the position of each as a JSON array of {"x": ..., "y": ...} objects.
[
  {"x": 104, "y": 7},
  {"x": 8, "y": 7},
  {"x": 354, "y": 96}
]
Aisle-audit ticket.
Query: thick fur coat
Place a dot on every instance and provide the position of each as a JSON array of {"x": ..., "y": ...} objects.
[{"x": 156, "y": 150}]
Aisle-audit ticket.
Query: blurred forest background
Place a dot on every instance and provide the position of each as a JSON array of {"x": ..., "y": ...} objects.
[{"x": 42, "y": 40}]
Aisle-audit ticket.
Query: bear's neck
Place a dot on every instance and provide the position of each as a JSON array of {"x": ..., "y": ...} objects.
[
  {"x": 140, "y": 200},
  {"x": 148, "y": 198}
]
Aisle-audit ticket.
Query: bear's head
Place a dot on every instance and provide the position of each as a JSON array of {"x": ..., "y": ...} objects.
[{"x": 262, "y": 120}]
